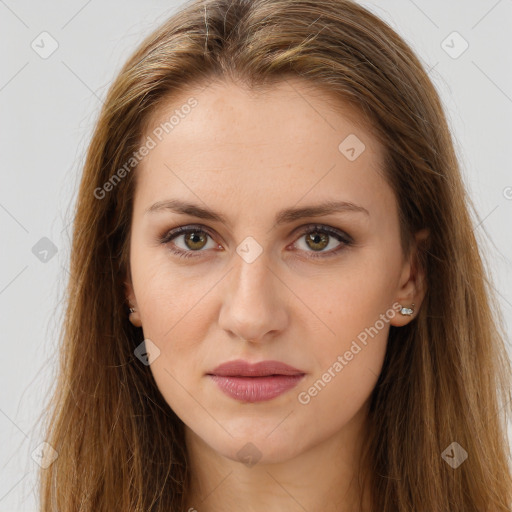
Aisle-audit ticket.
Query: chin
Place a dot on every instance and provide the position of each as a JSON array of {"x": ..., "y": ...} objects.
[{"x": 256, "y": 448}]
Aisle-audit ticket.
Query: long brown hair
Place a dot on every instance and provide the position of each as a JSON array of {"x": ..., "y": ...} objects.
[{"x": 446, "y": 375}]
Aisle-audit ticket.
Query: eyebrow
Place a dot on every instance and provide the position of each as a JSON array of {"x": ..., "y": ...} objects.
[{"x": 284, "y": 216}]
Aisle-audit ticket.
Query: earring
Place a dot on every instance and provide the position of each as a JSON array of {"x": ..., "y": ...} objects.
[
  {"x": 407, "y": 311},
  {"x": 132, "y": 310}
]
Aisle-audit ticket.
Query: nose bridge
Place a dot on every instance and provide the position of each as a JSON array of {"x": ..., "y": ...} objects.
[
  {"x": 252, "y": 261},
  {"x": 251, "y": 306},
  {"x": 253, "y": 278}
]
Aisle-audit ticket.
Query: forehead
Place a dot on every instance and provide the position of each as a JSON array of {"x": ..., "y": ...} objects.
[
  {"x": 224, "y": 105},
  {"x": 256, "y": 145}
]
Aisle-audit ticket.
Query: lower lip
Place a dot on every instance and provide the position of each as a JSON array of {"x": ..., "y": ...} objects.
[{"x": 256, "y": 389}]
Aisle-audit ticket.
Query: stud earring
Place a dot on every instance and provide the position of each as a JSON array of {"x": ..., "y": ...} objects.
[
  {"x": 132, "y": 310},
  {"x": 407, "y": 311}
]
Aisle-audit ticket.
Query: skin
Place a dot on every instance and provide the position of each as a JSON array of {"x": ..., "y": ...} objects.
[{"x": 248, "y": 155}]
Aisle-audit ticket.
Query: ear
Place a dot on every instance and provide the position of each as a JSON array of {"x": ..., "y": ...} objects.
[
  {"x": 132, "y": 302},
  {"x": 413, "y": 281}
]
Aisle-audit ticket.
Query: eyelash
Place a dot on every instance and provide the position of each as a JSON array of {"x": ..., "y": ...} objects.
[{"x": 316, "y": 228}]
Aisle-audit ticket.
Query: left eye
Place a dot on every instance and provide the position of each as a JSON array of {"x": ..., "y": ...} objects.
[{"x": 317, "y": 237}]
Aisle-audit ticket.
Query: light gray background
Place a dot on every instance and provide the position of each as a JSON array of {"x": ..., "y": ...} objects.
[{"x": 48, "y": 108}]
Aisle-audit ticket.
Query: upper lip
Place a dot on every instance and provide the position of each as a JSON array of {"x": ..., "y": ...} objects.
[{"x": 241, "y": 368}]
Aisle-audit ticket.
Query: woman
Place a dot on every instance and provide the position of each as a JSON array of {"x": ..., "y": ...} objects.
[{"x": 276, "y": 299}]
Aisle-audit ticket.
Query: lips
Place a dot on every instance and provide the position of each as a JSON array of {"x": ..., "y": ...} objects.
[
  {"x": 257, "y": 382},
  {"x": 240, "y": 368}
]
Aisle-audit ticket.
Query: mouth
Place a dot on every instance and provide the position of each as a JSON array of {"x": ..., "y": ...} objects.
[{"x": 258, "y": 382}]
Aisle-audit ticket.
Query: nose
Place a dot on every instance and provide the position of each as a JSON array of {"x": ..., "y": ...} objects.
[{"x": 253, "y": 301}]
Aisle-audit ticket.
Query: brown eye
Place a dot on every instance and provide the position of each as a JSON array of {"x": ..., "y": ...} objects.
[
  {"x": 195, "y": 240},
  {"x": 318, "y": 237},
  {"x": 317, "y": 241}
]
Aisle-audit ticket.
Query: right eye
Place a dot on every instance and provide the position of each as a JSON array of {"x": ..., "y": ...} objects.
[{"x": 195, "y": 239}]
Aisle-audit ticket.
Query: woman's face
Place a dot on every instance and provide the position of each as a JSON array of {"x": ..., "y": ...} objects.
[{"x": 249, "y": 283}]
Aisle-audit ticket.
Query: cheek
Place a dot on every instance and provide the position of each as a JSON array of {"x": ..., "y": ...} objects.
[
  {"x": 169, "y": 297},
  {"x": 350, "y": 351},
  {"x": 177, "y": 315},
  {"x": 356, "y": 298},
  {"x": 172, "y": 320},
  {"x": 347, "y": 363}
]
